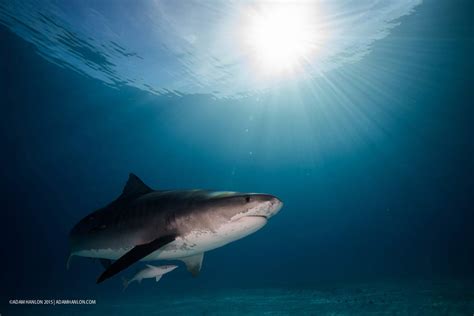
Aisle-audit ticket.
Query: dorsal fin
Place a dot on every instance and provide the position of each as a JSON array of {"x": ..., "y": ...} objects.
[{"x": 134, "y": 188}]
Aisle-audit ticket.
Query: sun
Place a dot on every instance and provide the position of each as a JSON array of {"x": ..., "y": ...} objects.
[{"x": 280, "y": 38}]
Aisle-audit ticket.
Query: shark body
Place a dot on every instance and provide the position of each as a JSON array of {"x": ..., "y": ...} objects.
[{"x": 145, "y": 225}]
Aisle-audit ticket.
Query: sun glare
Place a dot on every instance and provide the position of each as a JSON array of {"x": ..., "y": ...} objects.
[{"x": 280, "y": 38}]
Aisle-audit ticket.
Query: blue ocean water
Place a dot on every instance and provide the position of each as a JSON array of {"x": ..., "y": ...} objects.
[{"x": 373, "y": 160}]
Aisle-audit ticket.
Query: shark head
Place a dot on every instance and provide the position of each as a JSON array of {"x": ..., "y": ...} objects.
[
  {"x": 215, "y": 219},
  {"x": 241, "y": 211}
]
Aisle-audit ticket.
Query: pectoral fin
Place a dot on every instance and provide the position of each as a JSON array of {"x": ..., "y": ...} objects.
[
  {"x": 193, "y": 263},
  {"x": 137, "y": 253}
]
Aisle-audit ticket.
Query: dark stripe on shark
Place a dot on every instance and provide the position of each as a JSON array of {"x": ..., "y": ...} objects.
[{"x": 137, "y": 253}]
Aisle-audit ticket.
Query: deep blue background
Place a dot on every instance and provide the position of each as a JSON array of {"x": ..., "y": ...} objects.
[{"x": 398, "y": 206}]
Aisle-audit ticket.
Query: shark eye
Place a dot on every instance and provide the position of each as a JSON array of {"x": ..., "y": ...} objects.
[{"x": 247, "y": 199}]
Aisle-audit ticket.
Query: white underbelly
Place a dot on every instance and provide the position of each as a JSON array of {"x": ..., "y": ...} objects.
[{"x": 195, "y": 242}]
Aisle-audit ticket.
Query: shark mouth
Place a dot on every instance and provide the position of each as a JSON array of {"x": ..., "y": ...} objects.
[
  {"x": 240, "y": 216},
  {"x": 248, "y": 217},
  {"x": 263, "y": 216}
]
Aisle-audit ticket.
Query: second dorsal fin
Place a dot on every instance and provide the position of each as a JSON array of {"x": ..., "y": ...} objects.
[{"x": 134, "y": 188}]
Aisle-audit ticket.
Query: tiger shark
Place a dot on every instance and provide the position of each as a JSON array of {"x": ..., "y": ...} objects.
[{"x": 143, "y": 224}]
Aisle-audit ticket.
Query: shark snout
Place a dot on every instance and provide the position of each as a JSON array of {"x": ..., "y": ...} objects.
[{"x": 275, "y": 206}]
